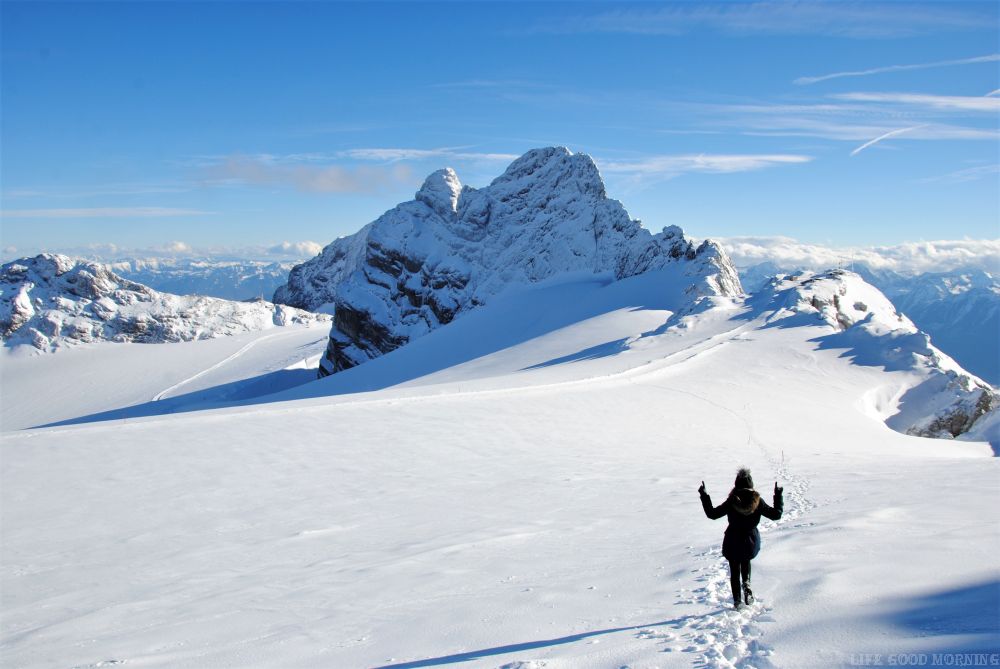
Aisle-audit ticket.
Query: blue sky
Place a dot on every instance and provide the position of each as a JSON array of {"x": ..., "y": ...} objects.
[{"x": 240, "y": 126}]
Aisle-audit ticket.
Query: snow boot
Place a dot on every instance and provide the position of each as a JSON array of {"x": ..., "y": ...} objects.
[{"x": 747, "y": 593}]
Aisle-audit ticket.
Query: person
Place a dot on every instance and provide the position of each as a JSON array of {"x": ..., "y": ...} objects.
[{"x": 741, "y": 543}]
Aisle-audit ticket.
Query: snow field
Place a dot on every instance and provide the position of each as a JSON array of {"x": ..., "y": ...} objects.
[
  {"x": 534, "y": 505},
  {"x": 38, "y": 389}
]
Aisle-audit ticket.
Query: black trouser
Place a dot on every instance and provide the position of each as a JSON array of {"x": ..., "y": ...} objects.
[{"x": 736, "y": 569}]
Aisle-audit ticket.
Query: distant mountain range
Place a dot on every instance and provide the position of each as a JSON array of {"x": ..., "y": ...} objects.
[
  {"x": 546, "y": 221},
  {"x": 51, "y": 301},
  {"x": 228, "y": 279}
]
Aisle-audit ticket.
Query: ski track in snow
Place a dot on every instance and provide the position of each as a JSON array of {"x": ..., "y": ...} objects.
[
  {"x": 727, "y": 638},
  {"x": 163, "y": 393}
]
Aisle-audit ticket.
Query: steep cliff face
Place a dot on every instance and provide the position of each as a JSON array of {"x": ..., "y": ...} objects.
[
  {"x": 943, "y": 401},
  {"x": 453, "y": 247},
  {"x": 51, "y": 301}
]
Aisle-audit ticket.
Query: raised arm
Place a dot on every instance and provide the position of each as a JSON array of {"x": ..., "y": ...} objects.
[
  {"x": 706, "y": 503},
  {"x": 779, "y": 505}
]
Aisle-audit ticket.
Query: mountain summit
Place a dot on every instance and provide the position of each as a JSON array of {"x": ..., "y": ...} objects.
[{"x": 452, "y": 248}]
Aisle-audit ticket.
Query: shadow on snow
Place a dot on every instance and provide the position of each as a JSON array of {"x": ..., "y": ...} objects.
[{"x": 468, "y": 656}]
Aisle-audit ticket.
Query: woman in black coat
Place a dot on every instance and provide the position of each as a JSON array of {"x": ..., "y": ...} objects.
[{"x": 743, "y": 507}]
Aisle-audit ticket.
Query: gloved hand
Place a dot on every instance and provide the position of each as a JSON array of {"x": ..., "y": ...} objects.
[
  {"x": 778, "y": 491},
  {"x": 701, "y": 490}
]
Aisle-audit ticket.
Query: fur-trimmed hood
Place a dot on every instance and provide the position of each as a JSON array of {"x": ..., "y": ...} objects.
[{"x": 744, "y": 500}]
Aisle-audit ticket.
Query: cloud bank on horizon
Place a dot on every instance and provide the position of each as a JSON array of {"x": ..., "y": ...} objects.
[
  {"x": 906, "y": 258},
  {"x": 787, "y": 253}
]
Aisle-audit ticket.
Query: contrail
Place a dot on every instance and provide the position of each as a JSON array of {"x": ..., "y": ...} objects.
[
  {"x": 897, "y": 68},
  {"x": 887, "y": 135}
]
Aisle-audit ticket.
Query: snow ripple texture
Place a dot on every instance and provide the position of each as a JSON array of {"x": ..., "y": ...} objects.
[
  {"x": 453, "y": 247},
  {"x": 51, "y": 301}
]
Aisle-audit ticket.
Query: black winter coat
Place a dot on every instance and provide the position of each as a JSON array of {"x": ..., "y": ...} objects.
[{"x": 743, "y": 507}]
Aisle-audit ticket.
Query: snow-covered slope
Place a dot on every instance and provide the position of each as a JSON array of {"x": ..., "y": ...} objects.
[
  {"x": 961, "y": 312},
  {"x": 516, "y": 489},
  {"x": 227, "y": 279},
  {"x": 960, "y": 309},
  {"x": 454, "y": 248},
  {"x": 50, "y": 301},
  {"x": 946, "y": 401},
  {"x": 120, "y": 381}
]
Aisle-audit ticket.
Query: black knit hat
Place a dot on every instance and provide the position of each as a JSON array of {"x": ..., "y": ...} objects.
[{"x": 743, "y": 479}]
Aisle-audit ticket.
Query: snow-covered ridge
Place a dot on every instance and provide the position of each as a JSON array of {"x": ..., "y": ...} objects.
[
  {"x": 453, "y": 247},
  {"x": 946, "y": 402},
  {"x": 50, "y": 301},
  {"x": 959, "y": 309}
]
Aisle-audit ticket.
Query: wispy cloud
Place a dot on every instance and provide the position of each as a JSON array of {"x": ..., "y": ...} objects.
[
  {"x": 891, "y": 133},
  {"x": 908, "y": 257},
  {"x": 855, "y": 120},
  {"x": 668, "y": 167},
  {"x": 843, "y": 19},
  {"x": 966, "y": 174},
  {"x": 984, "y": 103},
  {"x": 103, "y": 212},
  {"x": 101, "y": 190},
  {"x": 897, "y": 68},
  {"x": 178, "y": 250},
  {"x": 304, "y": 172},
  {"x": 333, "y": 172},
  {"x": 491, "y": 83},
  {"x": 399, "y": 154}
]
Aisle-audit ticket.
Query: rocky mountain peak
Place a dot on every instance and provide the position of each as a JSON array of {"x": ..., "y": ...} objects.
[
  {"x": 441, "y": 191},
  {"x": 451, "y": 249},
  {"x": 548, "y": 169}
]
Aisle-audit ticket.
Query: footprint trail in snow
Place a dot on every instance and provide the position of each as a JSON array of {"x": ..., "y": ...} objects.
[{"x": 726, "y": 638}]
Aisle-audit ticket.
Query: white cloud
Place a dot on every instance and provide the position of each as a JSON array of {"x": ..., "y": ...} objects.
[
  {"x": 906, "y": 258},
  {"x": 177, "y": 247},
  {"x": 102, "y": 212},
  {"x": 305, "y": 249},
  {"x": 844, "y": 19},
  {"x": 897, "y": 68},
  {"x": 936, "y": 102}
]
